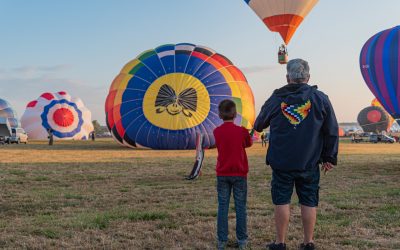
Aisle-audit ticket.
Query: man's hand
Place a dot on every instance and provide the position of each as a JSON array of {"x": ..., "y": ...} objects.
[{"x": 327, "y": 166}]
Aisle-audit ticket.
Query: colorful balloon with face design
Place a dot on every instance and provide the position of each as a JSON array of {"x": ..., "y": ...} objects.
[
  {"x": 66, "y": 116},
  {"x": 167, "y": 95}
]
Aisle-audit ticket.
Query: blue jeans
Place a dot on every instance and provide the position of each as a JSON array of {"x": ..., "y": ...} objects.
[{"x": 225, "y": 185}]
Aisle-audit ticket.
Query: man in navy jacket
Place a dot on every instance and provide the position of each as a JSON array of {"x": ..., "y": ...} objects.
[{"x": 303, "y": 134}]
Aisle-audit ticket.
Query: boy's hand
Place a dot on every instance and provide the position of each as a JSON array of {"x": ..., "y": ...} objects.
[
  {"x": 327, "y": 166},
  {"x": 252, "y": 132}
]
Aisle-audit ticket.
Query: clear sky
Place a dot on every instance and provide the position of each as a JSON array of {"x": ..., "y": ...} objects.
[{"x": 80, "y": 46}]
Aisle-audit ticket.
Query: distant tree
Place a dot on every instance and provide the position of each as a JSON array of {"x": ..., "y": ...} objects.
[{"x": 97, "y": 127}]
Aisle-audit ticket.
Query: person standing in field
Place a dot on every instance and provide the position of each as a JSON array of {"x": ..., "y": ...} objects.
[
  {"x": 303, "y": 134},
  {"x": 50, "y": 136},
  {"x": 232, "y": 168},
  {"x": 262, "y": 139}
]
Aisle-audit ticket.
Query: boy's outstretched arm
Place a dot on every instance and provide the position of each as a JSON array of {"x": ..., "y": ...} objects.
[{"x": 264, "y": 118}]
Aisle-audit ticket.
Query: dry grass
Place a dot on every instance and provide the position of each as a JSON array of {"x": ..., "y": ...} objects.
[{"x": 99, "y": 195}]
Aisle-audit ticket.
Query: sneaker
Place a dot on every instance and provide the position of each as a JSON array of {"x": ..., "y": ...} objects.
[
  {"x": 308, "y": 246},
  {"x": 274, "y": 246},
  {"x": 222, "y": 245}
]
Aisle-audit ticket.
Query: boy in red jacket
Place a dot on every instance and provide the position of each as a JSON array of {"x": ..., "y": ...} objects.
[{"x": 232, "y": 168}]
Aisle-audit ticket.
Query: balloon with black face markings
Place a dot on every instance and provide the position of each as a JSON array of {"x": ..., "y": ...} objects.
[{"x": 167, "y": 95}]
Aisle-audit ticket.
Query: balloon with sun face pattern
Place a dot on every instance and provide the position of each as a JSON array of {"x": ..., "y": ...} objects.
[
  {"x": 167, "y": 95},
  {"x": 66, "y": 116}
]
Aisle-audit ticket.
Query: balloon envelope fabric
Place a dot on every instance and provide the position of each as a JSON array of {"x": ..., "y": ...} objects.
[
  {"x": 380, "y": 67},
  {"x": 282, "y": 16},
  {"x": 167, "y": 95},
  {"x": 373, "y": 119},
  {"x": 7, "y": 112},
  {"x": 67, "y": 116}
]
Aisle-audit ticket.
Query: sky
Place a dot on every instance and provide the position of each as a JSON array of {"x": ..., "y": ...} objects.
[{"x": 80, "y": 46}]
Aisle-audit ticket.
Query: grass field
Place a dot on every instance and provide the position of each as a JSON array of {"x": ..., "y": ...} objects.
[{"x": 99, "y": 195}]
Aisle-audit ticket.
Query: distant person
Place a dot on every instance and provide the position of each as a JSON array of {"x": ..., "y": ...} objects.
[
  {"x": 50, "y": 136},
  {"x": 232, "y": 168},
  {"x": 304, "y": 133},
  {"x": 93, "y": 135},
  {"x": 262, "y": 139}
]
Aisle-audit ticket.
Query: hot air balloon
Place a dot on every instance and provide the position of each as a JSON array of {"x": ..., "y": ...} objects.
[
  {"x": 282, "y": 16},
  {"x": 67, "y": 116},
  {"x": 6, "y": 111},
  {"x": 342, "y": 132},
  {"x": 376, "y": 103},
  {"x": 167, "y": 95},
  {"x": 379, "y": 64},
  {"x": 373, "y": 119}
]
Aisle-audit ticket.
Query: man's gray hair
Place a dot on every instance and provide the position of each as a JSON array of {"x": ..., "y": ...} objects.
[{"x": 298, "y": 70}]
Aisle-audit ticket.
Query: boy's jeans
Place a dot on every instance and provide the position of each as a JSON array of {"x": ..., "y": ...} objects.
[{"x": 225, "y": 184}]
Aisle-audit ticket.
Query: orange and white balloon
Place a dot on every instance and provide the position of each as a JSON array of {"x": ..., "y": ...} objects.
[{"x": 282, "y": 16}]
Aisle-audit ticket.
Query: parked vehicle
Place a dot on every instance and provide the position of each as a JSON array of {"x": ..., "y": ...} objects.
[
  {"x": 18, "y": 135},
  {"x": 5, "y": 130},
  {"x": 375, "y": 138},
  {"x": 356, "y": 138},
  {"x": 387, "y": 139}
]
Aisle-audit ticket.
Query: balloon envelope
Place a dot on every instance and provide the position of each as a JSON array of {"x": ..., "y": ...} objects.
[
  {"x": 161, "y": 99},
  {"x": 373, "y": 119},
  {"x": 282, "y": 16},
  {"x": 376, "y": 103},
  {"x": 341, "y": 132},
  {"x": 380, "y": 68},
  {"x": 65, "y": 115},
  {"x": 6, "y": 111}
]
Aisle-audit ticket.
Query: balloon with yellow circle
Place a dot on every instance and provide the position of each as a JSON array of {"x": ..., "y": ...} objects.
[{"x": 166, "y": 96}]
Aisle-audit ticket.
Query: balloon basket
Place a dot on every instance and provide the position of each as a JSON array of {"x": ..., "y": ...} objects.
[
  {"x": 283, "y": 59},
  {"x": 283, "y": 56}
]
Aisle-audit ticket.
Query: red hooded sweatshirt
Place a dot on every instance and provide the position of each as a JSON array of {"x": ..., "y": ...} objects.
[{"x": 231, "y": 141}]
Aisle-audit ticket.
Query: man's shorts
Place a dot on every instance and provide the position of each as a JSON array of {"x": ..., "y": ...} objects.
[{"x": 306, "y": 183}]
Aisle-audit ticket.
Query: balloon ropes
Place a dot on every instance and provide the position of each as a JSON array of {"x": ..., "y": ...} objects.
[
  {"x": 282, "y": 16},
  {"x": 380, "y": 68},
  {"x": 65, "y": 116},
  {"x": 166, "y": 96}
]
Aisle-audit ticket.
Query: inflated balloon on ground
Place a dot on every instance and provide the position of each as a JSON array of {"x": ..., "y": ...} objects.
[
  {"x": 6, "y": 111},
  {"x": 376, "y": 103},
  {"x": 66, "y": 116},
  {"x": 167, "y": 95},
  {"x": 374, "y": 119}
]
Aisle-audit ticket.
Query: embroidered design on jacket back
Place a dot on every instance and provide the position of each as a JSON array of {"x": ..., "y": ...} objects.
[{"x": 296, "y": 113}]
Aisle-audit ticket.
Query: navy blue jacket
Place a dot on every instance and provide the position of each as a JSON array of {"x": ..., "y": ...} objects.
[{"x": 304, "y": 130}]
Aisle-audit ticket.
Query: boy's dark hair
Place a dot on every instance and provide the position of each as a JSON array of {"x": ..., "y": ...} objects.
[{"x": 227, "y": 110}]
